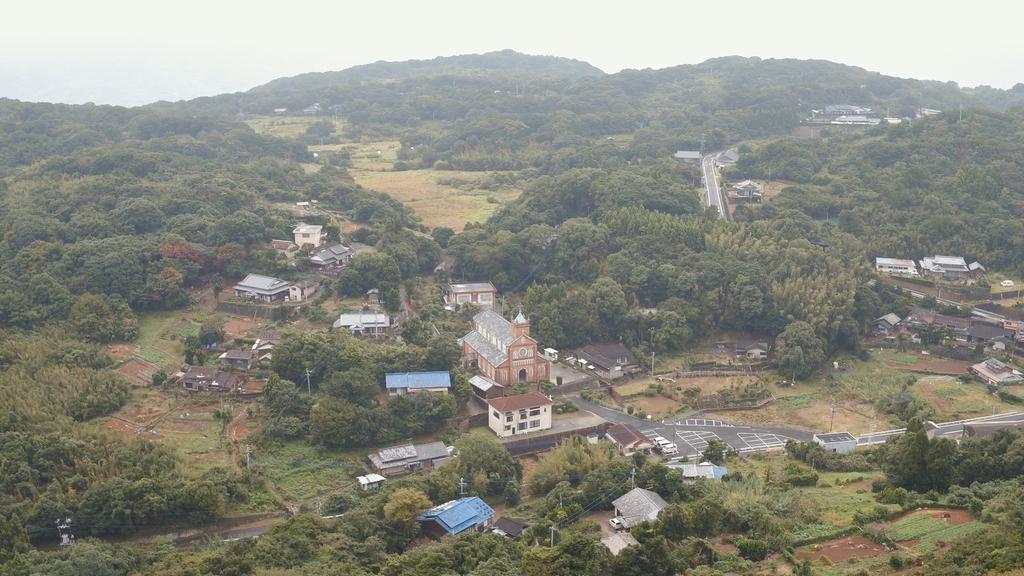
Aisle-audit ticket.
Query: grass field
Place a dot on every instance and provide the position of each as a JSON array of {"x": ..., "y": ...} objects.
[
  {"x": 437, "y": 203},
  {"x": 287, "y": 126},
  {"x": 923, "y": 532},
  {"x": 302, "y": 472}
]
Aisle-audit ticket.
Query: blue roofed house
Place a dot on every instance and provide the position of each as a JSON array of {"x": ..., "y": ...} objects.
[
  {"x": 402, "y": 383},
  {"x": 456, "y": 516}
]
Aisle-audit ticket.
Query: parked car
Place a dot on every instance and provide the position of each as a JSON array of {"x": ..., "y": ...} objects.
[
  {"x": 665, "y": 447},
  {"x": 1006, "y": 283},
  {"x": 616, "y": 523}
]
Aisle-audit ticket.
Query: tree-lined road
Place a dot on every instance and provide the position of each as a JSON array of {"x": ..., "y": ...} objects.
[{"x": 712, "y": 190}]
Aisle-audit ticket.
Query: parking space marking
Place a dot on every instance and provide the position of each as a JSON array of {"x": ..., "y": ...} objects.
[
  {"x": 698, "y": 440},
  {"x": 703, "y": 422},
  {"x": 758, "y": 441}
]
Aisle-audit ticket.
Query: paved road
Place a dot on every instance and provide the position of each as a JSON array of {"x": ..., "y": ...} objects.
[
  {"x": 712, "y": 190},
  {"x": 692, "y": 435}
]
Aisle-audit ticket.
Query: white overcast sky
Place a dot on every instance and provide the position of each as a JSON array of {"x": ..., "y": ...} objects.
[{"x": 133, "y": 52}]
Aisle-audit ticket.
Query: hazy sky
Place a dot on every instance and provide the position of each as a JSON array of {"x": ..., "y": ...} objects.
[{"x": 133, "y": 52}]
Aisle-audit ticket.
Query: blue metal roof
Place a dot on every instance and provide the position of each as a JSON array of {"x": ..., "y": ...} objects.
[
  {"x": 459, "y": 515},
  {"x": 418, "y": 380}
]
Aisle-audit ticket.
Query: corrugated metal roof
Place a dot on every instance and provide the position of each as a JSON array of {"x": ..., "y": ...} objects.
[
  {"x": 415, "y": 380},
  {"x": 459, "y": 515}
]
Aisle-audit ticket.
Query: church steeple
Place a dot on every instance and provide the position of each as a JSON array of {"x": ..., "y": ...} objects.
[{"x": 520, "y": 325}]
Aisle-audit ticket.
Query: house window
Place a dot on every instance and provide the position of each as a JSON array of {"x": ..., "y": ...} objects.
[
  {"x": 534, "y": 411},
  {"x": 534, "y": 423},
  {"x": 522, "y": 426},
  {"x": 507, "y": 428},
  {"x": 496, "y": 415},
  {"x": 485, "y": 298},
  {"x": 522, "y": 414},
  {"x": 462, "y": 298},
  {"x": 508, "y": 417}
]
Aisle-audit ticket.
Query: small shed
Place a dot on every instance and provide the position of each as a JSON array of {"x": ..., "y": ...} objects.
[
  {"x": 370, "y": 481},
  {"x": 838, "y": 442}
]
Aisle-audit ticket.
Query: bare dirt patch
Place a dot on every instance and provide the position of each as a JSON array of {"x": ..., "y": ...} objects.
[
  {"x": 138, "y": 371},
  {"x": 657, "y": 406},
  {"x": 843, "y": 549},
  {"x": 929, "y": 364},
  {"x": 235, "y": 326}
]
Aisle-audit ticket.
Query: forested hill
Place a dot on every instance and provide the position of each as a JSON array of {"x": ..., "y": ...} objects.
[{"x": 507, "y": 62}]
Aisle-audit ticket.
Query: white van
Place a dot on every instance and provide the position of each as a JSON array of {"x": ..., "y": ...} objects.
[{"x": 665, "y": 447}]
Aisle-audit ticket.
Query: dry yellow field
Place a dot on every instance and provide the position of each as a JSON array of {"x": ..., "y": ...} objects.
[
  {"x": 288, "y": 126},
  {"x": 435, "y": 203}
]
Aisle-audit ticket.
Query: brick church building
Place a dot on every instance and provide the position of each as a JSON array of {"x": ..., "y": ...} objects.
[{"x": 504, "y": 351}]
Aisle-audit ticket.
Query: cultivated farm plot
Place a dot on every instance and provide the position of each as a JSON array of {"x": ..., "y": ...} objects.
[
  {"x": 921, "y": 363},
  {"x": 431, "y": 196},
  {"x": 925, "y": 530},
  {"x": 953, "y": 400},
  {"x": 302, "y": 472}
]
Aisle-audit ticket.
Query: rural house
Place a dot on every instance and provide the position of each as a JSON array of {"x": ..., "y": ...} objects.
[
  {"x": 334, "y": 256},
  {"x": 996, "y": 373},
  {"x": 262, "y": 288},
  {"x": 407, "y": 458},
  {"x": 208, "y": 379},
  {"x": 728, "y": 157},
  {"x": 242, "y": 360},
  {"x": 402, "y": 383},
  {"x": 364, "y": 323},
  {"x": 945, "y": 266},
  {"x": 610, "y": 360},
  {"x": 310, "y": 235},
  {"x": 264, "y": 344},
  {"x": 886, "y": 325},
  {"x": 751, "y": 349},
  {"x": 482, "y": 294},
  {"x": 455, "y": 517},
  {"x": 302, "y": 290},
  {"x": 628, "y": 440},
  {"x": 746, "y": 190},
  {"x": 509, "y": 527},
  {"x": 896, "y": 266},
  {"x": 502, "y": 350},
  {"x": 519, "y": 414},
  {"x": 638, "y": 505}
]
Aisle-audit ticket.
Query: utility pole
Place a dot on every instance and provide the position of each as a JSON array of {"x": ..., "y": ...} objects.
[
  {"x": 651, "y": 341},
  {"x": 552, "y": 535},
  {"x": 319, "y": 506},
  {"x": 632, "y": 477},
  {"x": 462, "y": 486},
  {"x": 248, "y": 456},
  {"x": 832, "y": 421},
  {"x": 309, "y": 388}
]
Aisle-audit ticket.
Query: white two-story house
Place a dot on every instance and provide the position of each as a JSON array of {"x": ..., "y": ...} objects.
[{"x": 519, "y": 414}]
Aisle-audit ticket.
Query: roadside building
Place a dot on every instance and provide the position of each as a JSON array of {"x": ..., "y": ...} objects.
[
  {"x": 838, "y": 442},
  {"x": 747, "y": 190},
  {"x": 408, "y": 383},
  {"x": 455, "y": 517},
  {"x": 728, "y": 158},
  {"x": 638, "y": 505},
  {"x": 949, "y": 267},
  {"x": 262, "y": 288},
  {"x": 628, "y": 440},
  {"x": 519, "y": 414},
  {"x": 407, "y": 458},
  {"x": 751, "y": 349},
  {"x": 692, "y": 156},
  {"x": 263, "y": 347}
]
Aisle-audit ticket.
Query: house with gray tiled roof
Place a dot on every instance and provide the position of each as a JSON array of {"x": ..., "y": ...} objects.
[
  {"x": 262, "y": 288},
  {"x": 503, "y": 351},
  {"x": 638, "y": 505}
]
